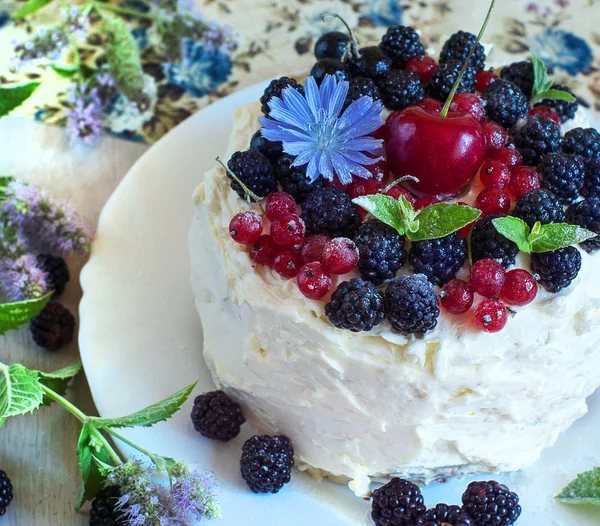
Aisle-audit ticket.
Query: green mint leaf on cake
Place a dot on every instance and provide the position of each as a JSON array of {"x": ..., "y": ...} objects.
[
  {"x": 514, "y": 229},
  {"x": 442, "y": 219},
  {"x": 13, "y": 315},
  {"x": 399, "y": 214},
  {"x": 11, "y": 97},
  {"x": 542, "y": 87},
  {"x": 20, "y": 390},
  {"x": 585, "y": 489}
]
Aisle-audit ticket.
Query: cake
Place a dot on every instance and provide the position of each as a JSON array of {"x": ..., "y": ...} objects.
[{"x": 373, "y": 404}]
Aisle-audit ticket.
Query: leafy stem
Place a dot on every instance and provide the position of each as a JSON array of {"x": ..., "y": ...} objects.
[
  {"x": 123, "y": 10},
  {"x": 131, "y": 443},
  {"x": 61, "y": 400},
  {"x": 112, "y": 453}
]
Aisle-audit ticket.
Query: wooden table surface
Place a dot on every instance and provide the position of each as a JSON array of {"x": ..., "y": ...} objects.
[{"x": 39, "y": 451}]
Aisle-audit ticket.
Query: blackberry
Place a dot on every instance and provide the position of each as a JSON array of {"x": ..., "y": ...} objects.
[
  {"x": 557, "y": 269},
  {"x": 104, "y": 508},
  {"x": 329, "y": 66},
  {"x": 565, "y": 109},
  {"x": 487, "y": 242},
  {"x": 563, "y": 175},
  {"x": 293, "y": 179},
  {"x": 57, "y": 272},
  {"x": 539, "y": 205},
  {"x": 266, "y": 463},
  {"x": 411, "y": 304},
  {"x": 275, "y": 88},
  {"x": 491, "y": 503},
  {"x": 505, "y": 103},
  {"x": 330, "y": 211},
  {"x": 400, "y": 89},
  {"x": 398, "y": 503},
  {"x": 331, "y": 45},
  {"x": 372, "y": 63},
  {"x": 216, "y": 416},
  {"x": 439, "y": 259},
  {"x": 442, "y": 515},
  {"x": 591, "y": 184},
  {"x": 586, "y": 214},
  {"x": 361, "y": 87},
  {"x": 6, "y": 492},
  {"x": 520, "y": 74},
  {"x": 445, "y": 76},
  {"x": 401, "y": 43},
  {"x": 255, "y": 171},
  {"x": 536, "y": 137},
  {"x": 381, "y": 251},
  {"x": 53, "y": 327},
  {"x": 584, "y": 142},
  {"x": 458, "y": 47},
  {"x": 356, "y": 305},
  {"x": 271, "y": 150}
]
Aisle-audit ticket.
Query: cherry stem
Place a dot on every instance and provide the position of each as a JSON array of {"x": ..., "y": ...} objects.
[
  {"x": 352, "y": 48},
  {"x": 247, "y": 191},
  {"x": 446, "y": 108}
]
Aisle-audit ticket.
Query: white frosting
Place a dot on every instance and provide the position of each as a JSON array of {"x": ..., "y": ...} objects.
[{"x": 369, "y": 405}]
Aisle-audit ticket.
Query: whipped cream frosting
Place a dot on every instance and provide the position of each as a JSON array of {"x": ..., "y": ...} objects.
[{"x": 366, "y": 406}]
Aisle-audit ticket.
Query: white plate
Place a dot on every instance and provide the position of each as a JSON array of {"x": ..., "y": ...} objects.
[{"x": 141, "y": 340}]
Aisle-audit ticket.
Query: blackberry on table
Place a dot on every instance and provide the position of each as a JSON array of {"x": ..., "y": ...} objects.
[
  {"x": 582, "y": 141},
  {"x": 398, "y": 503},
  {"x": 505, "y": 103},
  {"x": 400, "y": 89},
  {"x": 255, "y": 171},
  {"x": 270, "y": 149},
  {"x": 563, "y": 175},
  {"x": 53, "y": 327},
  {"x": 216, "y": 416},
  {"x": 520, "y": 74},
  {"x": 372, "y": 63},
  {"x": 356, "y": 306},
  {"x": 536, "y": 137},
  {"x": 488, "y": 243},
  {"x": 401, "y": 43},
  {"x": 275, "y": 88},
  {"x": 586, "y": 214},
  {"x": 565, "y": 109},
  {"x": 442, "y": 515},
  {"x": 539, "y": 205},
  {"x": 361, "y": 87},
  {"x": 6, "y": 492},
  {"x": 104, "y": 508},
  {"x": 330, "y": 211},
  {"x": 266, "y": 463},
  {"x": 490, "y": 504},
  {"x": 331, "y": 45},
  {"x": 439, "y": 259},
  {"x": 293, "y": 179},
  {"x": 57, "y": 272},
  {"x": 458, "y": 47},
  {"x": 557, "y": 269},
  {"x": 329, "y": 66},
  {"x": 445, "y": 76},
  {"x": 591, "y": 183}
]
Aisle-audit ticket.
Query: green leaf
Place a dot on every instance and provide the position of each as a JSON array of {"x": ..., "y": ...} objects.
[
  {"x": 20, "y": 390},
  {"x": 585, "y": 489},
  {"x": 441, "y": 220},
  {"x": 58, "y": 381},
  {"x": 151, "y": 415},
  {"x": 2, "y": 420},
  {"x": 5, "y": 180},
  {"x": 13, "y": 315},
  {"x": 386, "y": 209},
  {"x": 66, "y": 71},
  {"x": 553, "y": 94},
  {"x": 559, "y": 235},
  {"x": 31, "y": 7},
  {"x": 12, "y": 97},
  {"x": 514, "y": 229},
  {"x": 540, "y": 74},
  {"x": 89, "y": 447}
]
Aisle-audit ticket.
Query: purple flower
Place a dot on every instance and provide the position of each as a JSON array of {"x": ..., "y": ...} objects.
[
  {"x": 48, "y": 43},
  {"x": 192, "y": 494},
  {"x": 222, "y": 38},
  {"x": 315, "y": 130},
  {"x": 75, "y": 22},
  {"x": 532, "y": 7},
  {"x": 22, "y": 278},
  {"x": 85, "y": 116}
]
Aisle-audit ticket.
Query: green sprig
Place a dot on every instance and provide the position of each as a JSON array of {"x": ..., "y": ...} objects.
[
  {"x": 584, "y": 489},
  {"x": 13, "y": 315},
  {"x": 542, "y": 87},
  {"x": 11, "y": 97}
]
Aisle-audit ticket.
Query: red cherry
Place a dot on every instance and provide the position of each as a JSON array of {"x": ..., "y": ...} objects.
[
  {"x": 424, "y": 66},
  {"x": 365, "y": 187},
  {"x": 246, "y": 227},
  {"x": 468, "y": 103},
  {"x": 397, "y": 191},
  {"x": 287, "y": 263},
  {"x": 431, "y": 105},
  {"x": 519, "y": 288},
  {"x": 465, "y": 230},
  {"x": 379, "y": 133},
  {"x": 487, "y": 277},
  {"x": 288, "y": 231},
  {"x": 380, "y": 171},
  {"x": 491, "y": 315},
  {"x": 493, "y": 201},
  {"x": 422, "y": 202},
  {"x": 547, "y": 112},
  {"x": 263, "y": 250},
  {"x": 444, "y": 154},
  {"x": 484, "y": 80},
  {"x": 312, "y": 248},
  {"x": 509, "y": 156},
  {"x": 494, "y": 174},
  {"x": 279, "y": 204},
  {"x": 340, "y": 255},
  {"x": 496, "y": 136},
  {"x": 314, "y": 281},
  {"x": 457, "y": 296},
  {"x": 523, "y": 180}
]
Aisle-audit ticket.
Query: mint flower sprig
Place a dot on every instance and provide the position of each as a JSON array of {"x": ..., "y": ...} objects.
[{"x": 542, "y": 87}]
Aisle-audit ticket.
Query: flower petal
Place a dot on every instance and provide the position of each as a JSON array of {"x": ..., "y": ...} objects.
[
  {"x": 312, "y": 170},
  {"x": 341, "y": 168},
  {"x": 298, "y": 105},
  {"x": 360, "y": 158},
  {"x": 363, "y": 144},
  {"x": 326, "y": 167},
  {"x": 311, "y": 93},
  {"x": 336, "y": 99}
]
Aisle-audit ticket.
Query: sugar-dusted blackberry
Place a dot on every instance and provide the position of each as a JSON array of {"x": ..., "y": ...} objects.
[
  {"x": 557, "y": 269},
  {"x": 6, "y": 492},
  {"x": 586, "y": 214},
  {"x": 488, "y": 243},
  {"x": 266, "y": 463},
  {"x": 272, "y": 150},
  {"x": 371, "y": 63},
  {"x": 381, "y": 251},
  {"x": 330, "y": 211},
  {"x": 331, "y": 45},
  {"x": 505, "y": 103},
  {"x": 563, "y": 175},
  {"x": 401, "y": 43},
  {"x": 458, "y": 47},
  {"x": 216, "y": 416},
  {"x": 293, "y": 179},
  {"x": 411, "y": 304},
  {"x": 591, "y": 184},
  {"x": 53, "y": 327},
  {"x": 520, "y": 74},
  {"x": 329, "y": 66},
  {"x": 275, "y": 88},
  {"x": 57, "y": 272},
  {"x": 400, "y": 89},
  {"x": 104, "y": 510},
  {"x": 439, "y": 259},
  {"x": 361, "y": 87},
  {"x": 356, "y": 306},
  {"x": 536, "y": 137},
  {"x": 442, "y": 515},
  {"x": 582, "y": 141},
  {"x": 443, "y": 79},
  {"x": 539, "y": 205},
  {"x": 398, "y": 503},
  {"x": 491, "y": 503},
  {"x": 565, "y": 109},
  {"x": 255, "y": 171}
]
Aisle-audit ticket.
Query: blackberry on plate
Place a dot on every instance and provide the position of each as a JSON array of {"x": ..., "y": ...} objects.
[
  {"x": 539, "y": 205},
  {"x": 458, "y": 47},
  {"x": 272, "y": 150},
  {"x": 293, "y": 179},
  {"x": 104, "y": 508},
  {"x": 361, "y": 87},
  {"x": 356, "y": 306},
  {"x": 6, "y": 492},
  {"x": 565, "y": 109},
  {"x": 488, "y": 243},
  {"x": 329, "y": 66},
  {"x": 443, "y": 80},
  {"x": 557, "y": 269},
  {"x": 216, "y": 416},
  {"x": 255, "y": 171},
  {"x": 398, "y": 503},
  {"x": 56, "y": 271},
  {"x": 331, "y": 45},
  {"x": 275, "y": 88},
  {"x": 563, "y": 175},
  {"x": 400, "y": 89},
  {"x": 372, "y": 63},
  {"x": 520, "y": 74},
  {"x": 401, "y": 43},
  {"x": 53, "y": 327},
  {"x": 411, "y": 304},
  {"x": 582, "y": 141},
  {"x": 330, "y": 211},
  {"x": 439, "y": 259},
  {"x": 505, "y": 103},
  {"x": 591, "y": 184},
  {"x": 381, "y": 252},
  {"x": 536, "y": 137},
  {"x": 586, "y": 214},
  {"x": 490, "y": 504},
  {"x": 266, "y": 463},
  {"x": 442, "y": 515}
]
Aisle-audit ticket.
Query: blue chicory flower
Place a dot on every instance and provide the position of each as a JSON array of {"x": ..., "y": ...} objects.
[
  {"x": 558, "y": 48},
  {"x": 383, "y": 12}
]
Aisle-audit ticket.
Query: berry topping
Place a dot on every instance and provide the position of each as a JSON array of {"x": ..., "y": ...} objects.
[
  {"x": 356, "y": 305},
  {"x": 493, "y": 201},
  {"x": 401, "y": 43},
  {"x": 488, "y": 277},
  {"x": 523, "y": 180},
  {"x": 505, "y": 103},
  {"x": 263, "y": 250},
  {"x": 457, "y": 296},
  {"x": 431, "y": 105},
  {"x": 443, "y": 79},
  {"x": 216, "y": 416},
  {"x": 439, "y": 259},
  {"x": 424, "y": 202},
  {"x": 557, "y": 269},
  {"x": 57, "y": 272},
  {"x": 494, "y": 174},
  {"x": 314, "y": 281},
  {"x": 468, "y": 103},
  {"x": 329, "y": 66},
  {"x": 287, "y": 263},
  {"x": 266, "y": 463},
  {"x": 563, "y": 175},
  {"x": 331, "y": 45},
  {"x": 397, "y": 191},
  {"x": 496, "y": 136},
  {"x": 565, "y": 109},
  {"x": 544, "y": 111},
  {"x": 293, "y": 179},
  {"x": 401, "y": 89},
  {"x": 365, "y": 187},
  {"x": 53, "y": 327},
  {"x": 6, "y": 492},
  {"x": 398, "y": 502},
  {"x": 105, "y": 510},
  {"x": 584, "y": 142},
  {"x": 245, "y": 227},
  {"x": 458, "y": 47},
  {"x": 491, "y": 316},
  {"x": 484, "y": 79},
  {"x": 587, "y": 215},
  {"x": 271, "y": 150},
  {"x": 536, "y": 137},
  {"x": 539, "y": 205},
  {"x": 288, "y": 231},
  {"x": 509, "y": 156},
  {"x": 312, "y": 248},
  {"x": 379, "y": 170},
  {"x": 330, "y": 211},
  {"x": 520, "y": 74},
  {"x": 591, "y": 184},
  {"x": 487, "y": 242},
  {"x": 444, "y": 515},
  {"x": 255, "y": 171},
  {"x": 372, "y": 63},
  {"x": 491, "y": 503},
  {"x": 274, "y": 89},
  {"x": 340, "y": 255},
  {"x": 361, "y": 87},
  {"x": 520, "y": 288},
  {"x": 279, "y": 204},
  {"x": 424, "y": 66}
]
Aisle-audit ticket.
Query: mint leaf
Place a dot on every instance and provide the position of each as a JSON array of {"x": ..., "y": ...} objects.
[
  {"x": 559, "y": 235},
  {"x": 514, "y": 229},
  {"x": 4, "y": 182},
  {"x": 88, "y": 448},
  {"x": 20, "y": 390},
  {"x": 442, "y": 219},
  {"x": 13, "y": 315},
  {"x": 58, "y": 381},
  {"x": 540, "y": 75},
  {"x": 66, "y": 71},
  {"x": 585, "y": 489},
  {"x": 553, "y": 94},
  {"x": 386, "y": 209},
  {"x": 2, "y": 420},
  {"x": 30, "y": 7},
  {"x": 12, "y": 97}
]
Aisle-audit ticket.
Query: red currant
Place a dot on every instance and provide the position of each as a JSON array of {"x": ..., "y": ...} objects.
[
  {"x": 397, "y": 191},
  {"x": 263, "y": 250},
  {"x": 484, "y": 80},
  {"x": 380, "y": 171},
  {"x": 335, "y": 183},
  {"x": 312, "y": 248},
  {"x": 523, "y": 180},
  {"x": 340, "y": 255},
  {"x": 279, "y": 204},
  {"x": 431, "y": 105},
  {"x": 314, "y": 281},
  {"x": 465, "y": 230},
  {"x": 468, "y": 103},
  {"x": 493, "y": 201},
  {"x": 288, "y": 231},
  {"x": 457, "y": 296},
  {"x": 424, "y": 66},
  {"x": 491, "y": 315},
  {"x": 422, "y": 202},
  {"x": 545, "y": 111},
  {"x": 494, "y": 174},
  {"x": 509, "y": 156},
  {"x": 246, "y": 227},
  {"x": 287, "y": 263},
  {"x": 365, "y": 187},
  {"x": 519, "y": 288},
  {"x": 487, "y": 277},
  {"x": 496, "y": 136}
]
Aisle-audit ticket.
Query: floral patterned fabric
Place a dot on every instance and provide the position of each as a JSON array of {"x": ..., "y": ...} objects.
[{"x": 277, "y": 37}]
